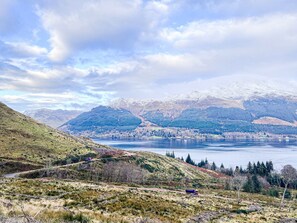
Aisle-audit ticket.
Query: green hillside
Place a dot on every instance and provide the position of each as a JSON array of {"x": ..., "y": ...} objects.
[
  {"x": 279, "y": 115},
  {"x": 116, "y": 185},
  {"x": 216, "y": 120},
  {"x": 102, "y": 119},
  {"x": 25, "y": 144},
  {"x": 130, "y": 167}
]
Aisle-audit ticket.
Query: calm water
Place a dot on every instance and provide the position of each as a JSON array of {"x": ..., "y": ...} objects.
[{"x": 229, "y": 153}]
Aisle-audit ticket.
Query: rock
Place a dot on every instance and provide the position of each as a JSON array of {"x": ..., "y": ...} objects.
[
  {"x": 207, "y": 216},
  {"x": 254, "y": 208},
  {"x": 288, "y": 220}
]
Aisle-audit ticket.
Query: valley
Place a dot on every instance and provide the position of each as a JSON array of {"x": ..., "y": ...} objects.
[
  {"x": 148, "y": 111},
  {"x": 71, "y": 179}
]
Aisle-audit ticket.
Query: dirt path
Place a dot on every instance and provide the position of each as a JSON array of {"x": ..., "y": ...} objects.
[
  {"x": 17, "y": 174},
  {"x": 11, "y": 175}
]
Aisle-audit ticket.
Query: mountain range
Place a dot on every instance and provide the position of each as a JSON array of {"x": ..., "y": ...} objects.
[
  {"x": 53, "y": 118},
  {"x": 271, "y": 114},
  {"x": 28, "y": 145},
  {"x": 54, "y": 176}
]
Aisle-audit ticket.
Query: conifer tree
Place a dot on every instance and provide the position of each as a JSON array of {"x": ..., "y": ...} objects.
[
  {"x": 257, "y": 187},
  {"x": 250, "y": 167},
  {"x": 254, "y": 171},
  {"x": 189, "y": 160},
  {"x": 213, "y": 166},
  {"x": 202, "y": 163},
  {"x": 258, "y": 167},
  {"x": 241, "y": 171},
  {"x": 269, "y": 166},
  {"x": 248, "y": 186},
  {"x": 262, "y": 170}
]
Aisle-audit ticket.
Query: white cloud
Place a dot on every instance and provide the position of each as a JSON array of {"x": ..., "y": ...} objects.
[
  {"x": 256, "y": 50},
  {"x": 60, "y": 79},
  {"x": 262, "y": 46},
  {"x": 71, "y": 100},
  {"x": 75, "y": 25},
  {"x": 145, "y": 49},
  {"x": 21, "y": 49},
  {"x": 233, "y": 33}
]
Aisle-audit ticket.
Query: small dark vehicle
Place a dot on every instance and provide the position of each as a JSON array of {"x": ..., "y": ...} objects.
[
  {"x": 88, "y": 159},
  {"x": 192, "y": 192}
]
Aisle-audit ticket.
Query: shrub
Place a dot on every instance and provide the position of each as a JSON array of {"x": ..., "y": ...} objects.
[
  {"x": 288, "y": 194},
  {"x": 252, "y": 185},
  {"x": 76, "y": 218},
  {"x": 273, "y": 192},
  {"x": 227, "y": 185}
]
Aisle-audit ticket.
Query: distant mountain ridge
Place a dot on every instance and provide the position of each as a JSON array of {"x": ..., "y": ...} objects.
[
  {"x": 28, "y": 145},
  {"x": 102, "y": 119},
  {"x": 207, "y": 115},
  {"x": 53, "y": 118}
]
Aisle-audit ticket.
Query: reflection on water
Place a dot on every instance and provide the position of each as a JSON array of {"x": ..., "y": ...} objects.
[{"x": 230, "y": 153}]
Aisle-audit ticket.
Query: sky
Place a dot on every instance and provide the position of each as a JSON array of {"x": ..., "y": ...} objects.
[{"x": 74, "y": 54}]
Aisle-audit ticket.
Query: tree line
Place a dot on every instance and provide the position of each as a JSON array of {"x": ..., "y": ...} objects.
[{"x": 257, "y": 177}]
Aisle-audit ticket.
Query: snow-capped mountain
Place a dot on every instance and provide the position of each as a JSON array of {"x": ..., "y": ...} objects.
[
  {"x": 227, "y": 97},
  {"x": 248, "y": 108},
  {"x": 239, "y": 91}
]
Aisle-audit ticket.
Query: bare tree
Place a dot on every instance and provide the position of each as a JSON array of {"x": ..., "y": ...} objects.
[
  {"x": 108, "y": 171},
  {"x": 48, "y": 167},
  {"x": 123, "y": 172},
  {"x": 237, "y": 182},
  {"x": 289, "y": 174}
]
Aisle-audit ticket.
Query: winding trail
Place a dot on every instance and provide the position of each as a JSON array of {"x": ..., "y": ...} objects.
[{"x": 17, "y": 174}]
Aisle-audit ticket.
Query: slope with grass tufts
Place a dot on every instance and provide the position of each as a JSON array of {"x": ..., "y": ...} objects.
[{"x": 26, "y": 144}]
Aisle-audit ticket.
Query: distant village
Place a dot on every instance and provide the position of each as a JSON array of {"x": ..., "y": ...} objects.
[{"x": 184, "y": 133}]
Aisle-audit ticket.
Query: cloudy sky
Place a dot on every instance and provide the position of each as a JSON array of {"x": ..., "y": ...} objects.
[{"x": 75, "y": 54}]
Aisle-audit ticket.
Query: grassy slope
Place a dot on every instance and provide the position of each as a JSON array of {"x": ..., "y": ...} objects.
[
  {"x": 23, "y": 140},
  {"x": 57, "y": 200},
  {"x": 26, "y": 141},
  {"x": 160, "y": 170},
  {"x": 26, "y": 144},
  {"x": 168, "y": 167}
]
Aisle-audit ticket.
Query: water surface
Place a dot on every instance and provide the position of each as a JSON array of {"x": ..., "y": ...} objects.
[{"x": 230, "y": 153}]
